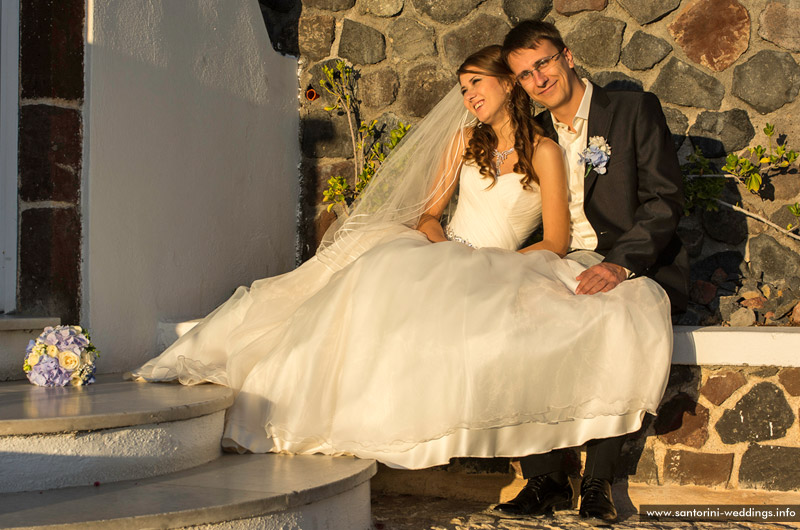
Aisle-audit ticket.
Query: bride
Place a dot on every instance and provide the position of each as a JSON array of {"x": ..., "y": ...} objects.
[{"x": 412, "y": 343}]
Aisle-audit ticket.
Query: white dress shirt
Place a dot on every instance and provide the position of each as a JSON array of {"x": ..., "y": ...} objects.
[{"x": 582, "y": 235}]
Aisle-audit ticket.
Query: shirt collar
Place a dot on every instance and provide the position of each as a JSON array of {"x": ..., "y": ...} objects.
[{"x": 583, "y": 108}]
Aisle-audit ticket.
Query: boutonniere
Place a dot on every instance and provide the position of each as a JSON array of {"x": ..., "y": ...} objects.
[{"x": 596, "y": 155}]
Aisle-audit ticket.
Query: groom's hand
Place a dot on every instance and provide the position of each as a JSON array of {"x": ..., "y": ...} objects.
[{"x": 600, "y": 278}]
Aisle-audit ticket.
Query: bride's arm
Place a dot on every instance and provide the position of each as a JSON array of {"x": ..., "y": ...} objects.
[
  {"x": 444, "y": 186},
  {"x": 550, "y": 167}
]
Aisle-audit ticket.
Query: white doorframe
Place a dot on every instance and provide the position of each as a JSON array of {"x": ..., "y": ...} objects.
[{"x": 9, "y": 115}]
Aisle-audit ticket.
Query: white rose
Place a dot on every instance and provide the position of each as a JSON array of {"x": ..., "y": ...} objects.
[
  {"x": 68, "y": 360},
  {"x": 76, "y": 380},
  {"x": 33, "y": 358},
  {"x": 52, "y": 351}
]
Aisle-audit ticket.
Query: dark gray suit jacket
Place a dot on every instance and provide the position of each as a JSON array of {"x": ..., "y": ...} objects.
[{"x": 635, "y": 206}]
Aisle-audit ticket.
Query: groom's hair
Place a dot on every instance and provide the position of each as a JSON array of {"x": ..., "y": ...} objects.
[{"x": 529, "y": 34}]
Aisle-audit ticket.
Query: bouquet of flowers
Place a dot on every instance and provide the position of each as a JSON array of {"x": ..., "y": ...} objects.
[{"x": 61, "y": 356}]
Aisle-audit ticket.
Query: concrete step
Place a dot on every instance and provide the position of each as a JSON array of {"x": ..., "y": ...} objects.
[
  {"x": 235, "y": 491},
  {"x": 109, "y": 431},
  {"x": 15, "y": 332}
]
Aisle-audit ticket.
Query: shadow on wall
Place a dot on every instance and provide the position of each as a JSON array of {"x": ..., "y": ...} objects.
[{"x": 281, "y": 18}]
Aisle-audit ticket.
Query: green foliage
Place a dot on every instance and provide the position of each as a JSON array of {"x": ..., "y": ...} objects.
[
  {"x": 368, "y": 151},
  {"x": 794, "y": 208},
  {"x": 700, "y": 192},
  {"x": 760, "y": 161}
]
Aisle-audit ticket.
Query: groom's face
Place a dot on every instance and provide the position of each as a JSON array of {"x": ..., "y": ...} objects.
[{"x": 549, "y": 85}]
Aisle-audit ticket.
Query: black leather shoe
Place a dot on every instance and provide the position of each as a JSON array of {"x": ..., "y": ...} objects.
[
  {"x": 597, "y": 505},
  {"x": 540, "y": 496}
]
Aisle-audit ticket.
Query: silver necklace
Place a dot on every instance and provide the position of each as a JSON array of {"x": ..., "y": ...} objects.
[{"x": 500, "y": 157}]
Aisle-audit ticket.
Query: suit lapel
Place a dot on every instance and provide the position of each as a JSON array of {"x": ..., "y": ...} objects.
[{"x": 600, "y": 117}]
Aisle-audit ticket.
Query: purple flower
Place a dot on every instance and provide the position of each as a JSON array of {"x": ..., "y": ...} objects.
[{"x": 48, "y": 372}]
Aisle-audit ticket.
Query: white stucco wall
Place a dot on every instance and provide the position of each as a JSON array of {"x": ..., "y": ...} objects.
[{"x": 191, "y": 179}]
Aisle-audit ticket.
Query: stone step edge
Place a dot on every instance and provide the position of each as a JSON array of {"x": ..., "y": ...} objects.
[
  {"x": 692, "y": 345},
  {"x": 227, "y": 489},
  {"x": 182, "y": 402},
  {"x": 494, "y": 488}
]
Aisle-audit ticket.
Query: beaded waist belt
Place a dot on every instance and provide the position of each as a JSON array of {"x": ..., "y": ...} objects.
[{"x": 458, "y": 239}]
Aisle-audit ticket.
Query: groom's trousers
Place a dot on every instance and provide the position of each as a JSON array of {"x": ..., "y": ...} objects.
[{"x": 601, "y": 459}]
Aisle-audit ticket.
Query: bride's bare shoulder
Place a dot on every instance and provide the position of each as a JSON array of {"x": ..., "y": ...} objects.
[{"x": 545, "y": 149}]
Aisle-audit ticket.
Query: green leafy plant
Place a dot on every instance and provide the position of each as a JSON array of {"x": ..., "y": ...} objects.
[
  {"x": 750, "y": 169},
  {"x": 700, "y": 192},
  {"x": 369, "y": 151}
]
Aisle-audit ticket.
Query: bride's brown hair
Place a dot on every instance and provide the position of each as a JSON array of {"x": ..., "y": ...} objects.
[{"x": 527, "y": 132}]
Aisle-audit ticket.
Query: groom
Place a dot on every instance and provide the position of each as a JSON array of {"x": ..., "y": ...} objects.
[{"x": 626, "y": 212}]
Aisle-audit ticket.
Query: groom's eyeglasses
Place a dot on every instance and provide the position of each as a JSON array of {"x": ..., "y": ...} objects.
[{"x": 539, "y": 66}]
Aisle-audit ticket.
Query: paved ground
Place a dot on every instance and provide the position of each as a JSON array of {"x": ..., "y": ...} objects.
[{"x": 408, "y": 512}]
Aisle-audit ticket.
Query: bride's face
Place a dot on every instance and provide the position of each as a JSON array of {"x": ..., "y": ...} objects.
[{"x": 485, "y": 97}]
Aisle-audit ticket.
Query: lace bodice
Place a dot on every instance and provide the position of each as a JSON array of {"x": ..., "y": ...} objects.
[{"x": 502, "y": 216}]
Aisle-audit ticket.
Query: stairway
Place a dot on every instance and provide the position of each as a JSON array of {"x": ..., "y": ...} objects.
[{"x": 121, "y": 454}]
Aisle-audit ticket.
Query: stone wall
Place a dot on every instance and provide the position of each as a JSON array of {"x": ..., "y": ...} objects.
[
  {"x": 722, "y": 427},
  {"x": 50, "y": 158},
  {"x": 722, "y": 69}
]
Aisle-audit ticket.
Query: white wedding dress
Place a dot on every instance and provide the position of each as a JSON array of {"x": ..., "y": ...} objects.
[{"x": 417, "y": 352}]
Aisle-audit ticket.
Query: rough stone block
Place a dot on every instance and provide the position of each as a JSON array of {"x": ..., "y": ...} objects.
[
  {"x": 281, "y": 20},
  {"x": 50, "y": 153},
  {"x": 692, "y": 239},
  {"x": 762, "y": 414},
  {"x": 330, "y": 5},
  {"x": 447, "y": 12},
  {"x": 411, "y": 39},
  {"x": 785, "y": 187},
  {"x": 720, "y": 386},
  {"x": 677, "y": 122},
  {"x": 316, "y": 175},
  {"x": 51, "y": 49},
  {"x": 617, "y": 81},
  {"x": 772, "y": 260},
  {"x": 644, "y": 51},
  {"x": 683, "y": 84},
  {"x": 770, "y": 467},
  {"x": 779, "y": 23},
  {"x": 361, "y": 44},
  {"x": 702, "y": 292},
  {"x": 49, "y": 263},
  {"x": 325, "y": 136},
  {"x": 682, "y": 420},
  {"x": 725, "y": 225},
  {"x": 638, "y": 464},
  {"x": 422, "y": 87},
  {"x": 713, "y": 33},
  {"x": 379, "y": 88},
  {"x": 719, "y": 133},
  {"x": 782, "y": 73},
  {"x": 702, "y": 469},
  {"x": 519, "y": 10},
  {"x": 381, "y": 8},
  {"x": 572, "y": 7},
  {"x": 596, "y": 40},
  {"x": 764, "y": 371},
  {"x": 648, "y": 11},
  {"x": 790, "y": 379},
  {"x": 482, "y": 31},
  {"x": 732, "y": 261},
  {"x": 315, "y": 36},
  {"x": 742, "y": 318}
]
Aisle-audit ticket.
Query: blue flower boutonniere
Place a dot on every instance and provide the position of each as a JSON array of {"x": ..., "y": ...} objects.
[{"x": 596, "y": 155}]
